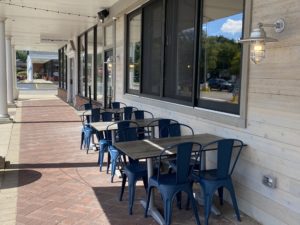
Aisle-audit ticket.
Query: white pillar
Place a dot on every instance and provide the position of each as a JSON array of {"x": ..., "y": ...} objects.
[
  {"x": 14, "y": 73},
  {"x": 10, "y": 95},
  {"x": 3, "y": 88},
  {"x": 29, "y": 69}
]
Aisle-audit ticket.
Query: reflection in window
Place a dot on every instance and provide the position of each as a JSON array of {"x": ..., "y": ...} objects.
[
  {"x": 179, "y": 54},
  {"x": 100, "y": 74},
  {"x": 134, "y": 52},
  {"x": 90, "y": 62},
  {"x": 221, "y": 53},
  {"x": 152, "y": 48},
  {"x": 82, "y": 66}
]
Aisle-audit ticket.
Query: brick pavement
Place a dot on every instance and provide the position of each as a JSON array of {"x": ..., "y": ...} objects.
[{"x": 51, "y": 181}]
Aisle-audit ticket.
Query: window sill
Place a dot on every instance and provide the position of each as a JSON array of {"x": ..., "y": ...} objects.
[{"x": 206, "y": 114}]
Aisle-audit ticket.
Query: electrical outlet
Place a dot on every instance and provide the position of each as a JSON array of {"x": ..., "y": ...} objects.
[{"x": 269, "y": 181}]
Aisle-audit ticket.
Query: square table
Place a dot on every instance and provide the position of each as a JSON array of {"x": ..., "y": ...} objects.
[{"x": 149, "y": 149}]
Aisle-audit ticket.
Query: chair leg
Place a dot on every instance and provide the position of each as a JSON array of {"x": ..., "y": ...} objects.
[
  {"x": 208, "y": 203},
  {"x": 82, "y": 138},
  {"x": 108, "y": 163},
  {"x": 148, "y": 201},
  {"x": 124, "y": 178},
  {"x": 167, "y": 210},
  {"x": 178, "y": 199},
  {"x": 220, "y": 192},
  {"x": 131, "y": 189},
  {"x": 233, "y": 199},
  {"x": 194, "y": 205}
]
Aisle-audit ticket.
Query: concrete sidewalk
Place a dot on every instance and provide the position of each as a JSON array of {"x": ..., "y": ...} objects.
[{"x": 51, "y": 181}]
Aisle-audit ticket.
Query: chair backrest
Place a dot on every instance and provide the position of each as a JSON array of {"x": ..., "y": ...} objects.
[
  {"x": 117, "y": 105},
  {"x": 128, "y": 112},
  {"x": 127, "y": 131},
  {"x": 175, "y": 129},
  {"x": 142, "y": 114},
  {"x": 183, "y": 152},
  {"x": 161, "y": 123},
  {"x": 106, "y": 116},
  {"x": 96, "y": 116},
  {"x": 224, "y": 148},
  {"x": 86, "y": 106}
]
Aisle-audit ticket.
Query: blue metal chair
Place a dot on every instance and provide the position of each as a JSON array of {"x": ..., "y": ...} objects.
[
  {"x": 88, "y": 131},
  {"x": 162, "y": 123},
  {"x": 127, "y": 113},
  {"x": 213, "y": 180},
  {"x": 171, "y": 184},
  {"x": 115, "y": 153},
  {"x": 140, "y": 115},
  {"x": 84, "y": 120},
  {"x": 135, "y": 170},
  {"x": 105, "y": 141},
  {"x": 117, "y": 105},
  {"x": 176, "y": 129}
]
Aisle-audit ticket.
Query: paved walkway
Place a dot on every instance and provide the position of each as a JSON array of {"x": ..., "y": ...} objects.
[{"x": 51, "y": 181}]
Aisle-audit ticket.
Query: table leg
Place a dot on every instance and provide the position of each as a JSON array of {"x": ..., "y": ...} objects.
[{"x": 152, "y": 211}]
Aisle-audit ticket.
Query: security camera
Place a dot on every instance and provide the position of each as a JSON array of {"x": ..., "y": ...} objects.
[{"x": 103, "y": 14}]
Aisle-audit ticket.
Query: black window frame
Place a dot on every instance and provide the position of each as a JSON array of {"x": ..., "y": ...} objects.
[
  {"x": 131, "y": 15},
  {"x": 195, "y": 100},
  {"x": 79, "y": 41}
]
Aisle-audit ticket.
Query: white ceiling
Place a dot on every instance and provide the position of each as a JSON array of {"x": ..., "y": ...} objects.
[{"x": 28, "y": 26}]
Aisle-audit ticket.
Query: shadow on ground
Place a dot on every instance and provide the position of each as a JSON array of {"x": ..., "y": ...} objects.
[{"x": 10, "y": 178}]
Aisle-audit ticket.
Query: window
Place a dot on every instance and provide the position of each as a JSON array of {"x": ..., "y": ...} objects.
[
  {"x": 220, "y": 60},
  {"x": 90, "y": 63},
  {"x": 152, "y": 48},
  {"x": 62, "y": 63},
  {"x": 100, "y": 72},
  {"x": 82, "y": 65},
  {"x": 134, "y": 51},
  {"x": 184, "y": 60},
  {"x": 179, "y": 49}
]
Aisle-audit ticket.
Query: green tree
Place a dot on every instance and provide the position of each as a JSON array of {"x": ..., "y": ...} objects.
[{"x": 21, "y": 55}]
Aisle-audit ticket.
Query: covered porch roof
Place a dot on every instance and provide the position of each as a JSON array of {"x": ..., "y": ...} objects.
[{"x": 32, "y": 27}]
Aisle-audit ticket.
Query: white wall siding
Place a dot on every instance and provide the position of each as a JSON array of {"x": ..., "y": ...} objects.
[{"x": 273, "y": 118}]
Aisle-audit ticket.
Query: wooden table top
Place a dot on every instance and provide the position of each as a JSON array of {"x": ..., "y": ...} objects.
[
  {"x": 101, "y": 126},
  {"x": 153, "y": 147}
]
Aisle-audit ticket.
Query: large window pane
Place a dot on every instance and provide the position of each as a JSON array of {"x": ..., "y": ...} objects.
[
  {"x": 179, "y": 55},
  {"x": 134, "y": 51},
  {"x": 220, "y": 74},
  {"x": 152, "y": 48},
  {"x": 100, "y": 74},
  {"x": 82, "y": 65},
  {"x": 90, "y": 63}
]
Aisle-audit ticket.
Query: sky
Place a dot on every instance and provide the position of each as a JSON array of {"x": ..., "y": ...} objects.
[{"x": 229, "y": 27}]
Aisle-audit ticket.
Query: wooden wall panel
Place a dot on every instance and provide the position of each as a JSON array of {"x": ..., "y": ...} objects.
[{"x": 273, "y": 118}]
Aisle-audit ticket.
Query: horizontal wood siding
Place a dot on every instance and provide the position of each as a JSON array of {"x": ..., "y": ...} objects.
[{"x": 273, "y": 118}]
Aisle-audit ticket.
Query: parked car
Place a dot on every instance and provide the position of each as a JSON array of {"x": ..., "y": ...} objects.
[{"x": 220, "y": 84}]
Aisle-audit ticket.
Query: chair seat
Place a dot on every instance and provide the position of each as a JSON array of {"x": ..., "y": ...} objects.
[
  {"x": 166, "y": 179},
  {"x": 139, "y": 169},
  {"x": 208, "y": 175}
]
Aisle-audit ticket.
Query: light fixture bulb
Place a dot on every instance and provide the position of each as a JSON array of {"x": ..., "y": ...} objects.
[{"x": 257, "y": 53}]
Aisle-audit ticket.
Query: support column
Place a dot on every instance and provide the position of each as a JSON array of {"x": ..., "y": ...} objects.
[
  {"x": 9, "y": 74},
  {"x": 14, "y": 73},
  {"x": 3, "y": 81},
  {"x": 29, "y": 69}
]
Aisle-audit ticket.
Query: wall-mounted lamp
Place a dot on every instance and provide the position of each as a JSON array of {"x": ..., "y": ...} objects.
[{"x": 258, "y": 39}]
